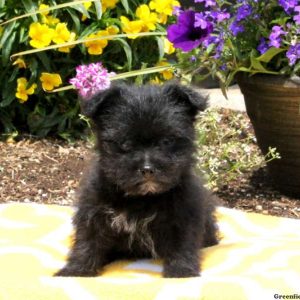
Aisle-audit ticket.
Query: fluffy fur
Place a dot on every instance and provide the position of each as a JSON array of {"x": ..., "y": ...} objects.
[{"x": 140, "y": 197}]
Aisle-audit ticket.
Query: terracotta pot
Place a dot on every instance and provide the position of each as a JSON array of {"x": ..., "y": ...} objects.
[{"x": 273, "y": 106}]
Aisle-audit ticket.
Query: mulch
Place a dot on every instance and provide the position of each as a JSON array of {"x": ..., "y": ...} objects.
[{"x": 49, "y": 170}]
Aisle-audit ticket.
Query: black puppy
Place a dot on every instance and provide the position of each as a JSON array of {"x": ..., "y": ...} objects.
[{"x": 141, "y": 198}]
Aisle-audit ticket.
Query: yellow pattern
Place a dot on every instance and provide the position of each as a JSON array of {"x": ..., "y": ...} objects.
[{"x": 258, "y": 257}]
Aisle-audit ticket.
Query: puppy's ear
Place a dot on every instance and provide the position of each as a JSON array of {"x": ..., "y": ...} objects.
[
  {"x": 101, "y": 101},
  {"x": 184, "y": 95}
]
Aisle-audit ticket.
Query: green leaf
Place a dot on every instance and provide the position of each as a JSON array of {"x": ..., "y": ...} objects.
[
  {"x": 280, "y": 21},
  {"x": 7, "y": 32},
  {"x": 81, "y": 9},
  {"x": 8, "y": 94},
  {"x": 13, "y": 75},
  {"x": 75, "y": 19},
  {"x": 7, "y": 49},
  {"x": 34, "y": 68},
  {"x": 2, "y": 3},
  {"x": 256, "y": 64},
  {"x": 98, "y": 7},
  {"x": 127, "y": 50},
  {"x": 161, "y": 47},
  {"x": 269, "y": 54},
  {"x": 30, "y": 7},
  {"x": 44, "y": 58},
  {"x": 125, "y": 5}
]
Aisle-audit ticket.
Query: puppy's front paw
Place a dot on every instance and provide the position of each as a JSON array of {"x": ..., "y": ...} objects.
[
  {"x": 75, "y": 272},
  {"x": 180, "y": 272}
]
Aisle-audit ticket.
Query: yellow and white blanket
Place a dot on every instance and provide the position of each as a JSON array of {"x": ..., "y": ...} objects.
[{"x": 258, "y": 258}]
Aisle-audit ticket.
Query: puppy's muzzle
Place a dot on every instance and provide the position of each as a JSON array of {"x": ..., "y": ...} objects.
[{"x": 147, "y": 170}]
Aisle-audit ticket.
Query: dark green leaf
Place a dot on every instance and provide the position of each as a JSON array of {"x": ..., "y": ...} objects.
[
  {"x": 6, "y": 51},
  {"x": 127, "y": 51},
  {"x": 8, "y": 94},
  {"x": 13, "y": 75},
  {"x": 30, "y": 7},
  {"x": 7, "y": 32},
  {"x": 75, "y": 19},
  {"x": 44, "y": 58},
  {"x": 125, "y": 5}
]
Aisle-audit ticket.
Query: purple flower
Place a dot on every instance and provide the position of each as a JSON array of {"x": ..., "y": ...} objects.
[
  {"x": 201, "y": 21},
  {"x": 90, "y": 79},
  {"x": 185, "y": 35},
  {"x": 220, "y": 16},
  {"x": 297, "y": 17},
  {"x": 263, "y": 46},
  {"x": 236, "y": 28},
  {"x": 243, "y": 12},
  {"x": 275, "y": 36},
  {"x": 288, "y": 5},
  {"x": 207, "y": 2},
  {"x": 293, "y": 54},
  {"x": 215, "y": 40},
  {"x": 176, "y": 11}
]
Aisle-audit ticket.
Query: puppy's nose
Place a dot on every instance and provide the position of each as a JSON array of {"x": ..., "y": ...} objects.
[{"x": 147, "y": 170}]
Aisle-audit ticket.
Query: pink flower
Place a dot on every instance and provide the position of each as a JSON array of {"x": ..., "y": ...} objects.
[{"x": 90, "y": 79}]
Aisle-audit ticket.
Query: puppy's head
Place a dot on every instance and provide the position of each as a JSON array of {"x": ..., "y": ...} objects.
[{"x": 145, "y": 134}]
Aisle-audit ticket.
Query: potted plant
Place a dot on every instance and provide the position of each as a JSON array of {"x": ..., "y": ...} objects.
[{"x": 258, "y": 43}]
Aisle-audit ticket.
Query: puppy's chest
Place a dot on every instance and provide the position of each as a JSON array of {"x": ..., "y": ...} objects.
[{"x": 137, "y": 229}]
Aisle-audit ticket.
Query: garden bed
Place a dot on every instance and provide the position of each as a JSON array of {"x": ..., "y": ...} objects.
[{"x": 48, "y": 171}]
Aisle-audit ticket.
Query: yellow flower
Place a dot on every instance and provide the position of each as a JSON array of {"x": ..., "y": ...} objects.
[
  {"x": 112, "y": 30},
  {"x": 20, "y": 63},
  {"x": 155, "y": 80},
  {"x": 44, "y": 6},
  {"x": 148, "y": 18},
  {"x": 108, "y": 4},
  {"x": 168, "y": 46},
  {"x": 131, "y": 26},
  {"x": 164, "y": 8},
  {"x": 50, "y": 80},
  {"x": 162, "y": 18},
  {"x": 41, "y": 35},
  {"x": 22, "y": 90},
  {"x": 61, "y": 34},
  {"x": 50, "y": 20},
  {"x": 67, "y": 48},
  {"x": 96, "y": 47},
  {"x": 168, "y": 73},
  {"x": 86, "y": 5}
]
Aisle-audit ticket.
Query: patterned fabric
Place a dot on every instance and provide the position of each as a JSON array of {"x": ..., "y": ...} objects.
[{"x": 258, "y": 257}]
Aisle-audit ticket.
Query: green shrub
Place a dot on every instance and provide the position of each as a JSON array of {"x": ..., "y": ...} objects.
[
  {"x": 227, "y": 147},
  {"x": 24, "y": 104}
]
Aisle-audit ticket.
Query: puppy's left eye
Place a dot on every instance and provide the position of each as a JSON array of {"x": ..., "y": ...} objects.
[
  {"x": 167, "y": 141},
  {"x": 126, "y": 146}
]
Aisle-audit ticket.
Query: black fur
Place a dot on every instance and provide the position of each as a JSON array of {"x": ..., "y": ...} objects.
[{"x": 141, "y": 198}]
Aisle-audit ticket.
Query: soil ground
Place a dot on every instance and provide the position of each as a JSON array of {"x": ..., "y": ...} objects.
[{"x": 48, "y": 171}]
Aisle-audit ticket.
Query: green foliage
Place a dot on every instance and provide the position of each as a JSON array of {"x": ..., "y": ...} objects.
[
  {"x": 227, "y": 147},
  {"x": 45, "y": 113}
]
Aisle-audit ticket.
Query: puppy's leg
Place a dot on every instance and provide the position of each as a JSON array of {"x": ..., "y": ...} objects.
[
  {"x": 180, "y": 250},
  {"x": 182, "y": 264},
  {"x": 211, "y": 232},
  {"x": 88, "y": 253}
]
